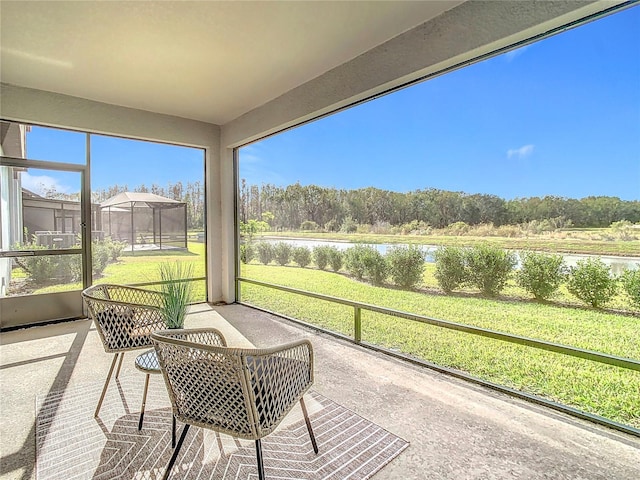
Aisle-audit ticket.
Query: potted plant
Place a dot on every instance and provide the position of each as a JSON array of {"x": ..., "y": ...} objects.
[{"x": 177, "y": 292}]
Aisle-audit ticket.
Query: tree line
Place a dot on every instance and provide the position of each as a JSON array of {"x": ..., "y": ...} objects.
[
  {"x": 329, "y": 208},
  {"x": 288, "y": 208}
]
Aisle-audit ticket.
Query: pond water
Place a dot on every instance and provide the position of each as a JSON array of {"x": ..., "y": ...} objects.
[{"x": 617, "y": 264}]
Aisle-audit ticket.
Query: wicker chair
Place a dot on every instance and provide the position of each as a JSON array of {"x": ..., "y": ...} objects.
[
  {"x": 124, "y": 317},
  {"x": 242, "y": 392}
]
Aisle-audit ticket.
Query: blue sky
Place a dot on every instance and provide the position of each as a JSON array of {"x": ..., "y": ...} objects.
[
  {"x": 113, "y": 161},
  {"x": 559, "y": 117}
]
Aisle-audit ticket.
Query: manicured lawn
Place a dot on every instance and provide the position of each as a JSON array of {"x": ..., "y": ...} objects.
[
  {"x": 608, "y": 391},
  {"x": 142, "y": 267}
]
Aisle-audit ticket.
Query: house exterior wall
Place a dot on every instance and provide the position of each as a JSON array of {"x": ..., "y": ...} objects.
[{"x": 10, "y": 201}]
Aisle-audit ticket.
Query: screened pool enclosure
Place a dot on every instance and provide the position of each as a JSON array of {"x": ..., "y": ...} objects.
[{"x": 145, "y": 221}]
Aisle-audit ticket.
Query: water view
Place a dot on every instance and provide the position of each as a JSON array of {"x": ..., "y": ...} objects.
[{"x": 617, "y": 264}]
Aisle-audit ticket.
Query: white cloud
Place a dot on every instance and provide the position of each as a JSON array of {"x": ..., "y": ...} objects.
[
  {"x": 40, "y": 184},
  {"x": 513, "y": 54},
  {"x": 521, "y": 152}
]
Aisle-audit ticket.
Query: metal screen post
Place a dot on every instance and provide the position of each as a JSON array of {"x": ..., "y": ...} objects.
[{"x": 357, "y": 324}]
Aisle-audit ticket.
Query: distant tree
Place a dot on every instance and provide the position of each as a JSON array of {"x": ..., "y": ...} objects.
[{"x": 252, "y": 227}]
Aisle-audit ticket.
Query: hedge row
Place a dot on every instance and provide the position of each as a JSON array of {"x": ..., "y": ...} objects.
[
  {"x": 485, "y": 267},
  {"x": 489, "y": 268},
  {"x": 403, "y": 265},
  {"x": 44, "y": 270}
]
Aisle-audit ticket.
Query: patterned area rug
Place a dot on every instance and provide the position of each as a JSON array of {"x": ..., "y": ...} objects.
[{"x": 72, "y": 444}]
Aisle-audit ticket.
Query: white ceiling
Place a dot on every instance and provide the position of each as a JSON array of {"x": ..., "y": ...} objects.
[{"x": 209, "y": 61}]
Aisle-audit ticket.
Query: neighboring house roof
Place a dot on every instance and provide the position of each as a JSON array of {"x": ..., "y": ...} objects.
[
  {"x": 144, "y": 199},
  {"x": 29, "y": 194}
]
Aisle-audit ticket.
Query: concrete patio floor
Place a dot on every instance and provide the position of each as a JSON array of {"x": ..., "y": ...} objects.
[{"x": 456, "y": 430}]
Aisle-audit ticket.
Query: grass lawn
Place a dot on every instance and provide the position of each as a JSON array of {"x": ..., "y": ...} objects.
[
  {"x": 142, "y": 267},
  {"x": 604, "y": 390}
]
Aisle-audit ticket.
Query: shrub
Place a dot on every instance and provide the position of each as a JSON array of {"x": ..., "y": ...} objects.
[
  {"x": 332, "y": 225},
  {"x": 510, "y": 231},
  {"x": 247, "y": 252},
  {"x": 624, "y": 230},
  {"x": 348, "y": 225},
  {"x": 100, "y": 256},
  {"x": 321, "y": 256},
  {"x": 67, "y": 268},
  {"x": 364, "y": 261},
  {"x": 282, "y": 253},
  {"x": 381, "y": 228},
  {"x": 458, "y": 228},
  {"x": 115, "y": 249},
  {"x": 74, "y": 268},
  {"x": 335, "y": 259},
  {"x": 302, "y": 256},
  {"x": 540, "y": 274},
  {"x": 631, "y": 284},
  {"x": 309, "y": 225},
  {"x": 406, "y": 265},
  {"x": 590, "y": 281},
  {"x": 265, "y": 252},
  {"x": 488, "y": 268},
  {"x": 39, "y": 269},
  {"x": 450, "y": 268},
  {"x": 353, "y": 260},
  {"x": 414, "y": 227},
  {"x": 376, "y": 267}
]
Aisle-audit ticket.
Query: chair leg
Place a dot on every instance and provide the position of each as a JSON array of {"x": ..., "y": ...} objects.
[
  {"x": 144, "y": 401},
  {"x": 306, "y": 420},
  {"x": 106, "y": 384},
  {"x": 185, "y": 429},
  {"x": 119, "y": 364},
  {"x": 260, "y": 464},
  {"x": 173, "y": 431}
]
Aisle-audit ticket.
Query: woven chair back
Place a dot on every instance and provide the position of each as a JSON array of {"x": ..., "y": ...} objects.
[
  {"x": 242, "y": 392},
  {"x": 124, "y": 316}
]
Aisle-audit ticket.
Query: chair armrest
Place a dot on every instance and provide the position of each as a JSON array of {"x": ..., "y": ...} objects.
[
  {"x": 184, "y": 336},
  {"x": 279, "y": 377}
]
